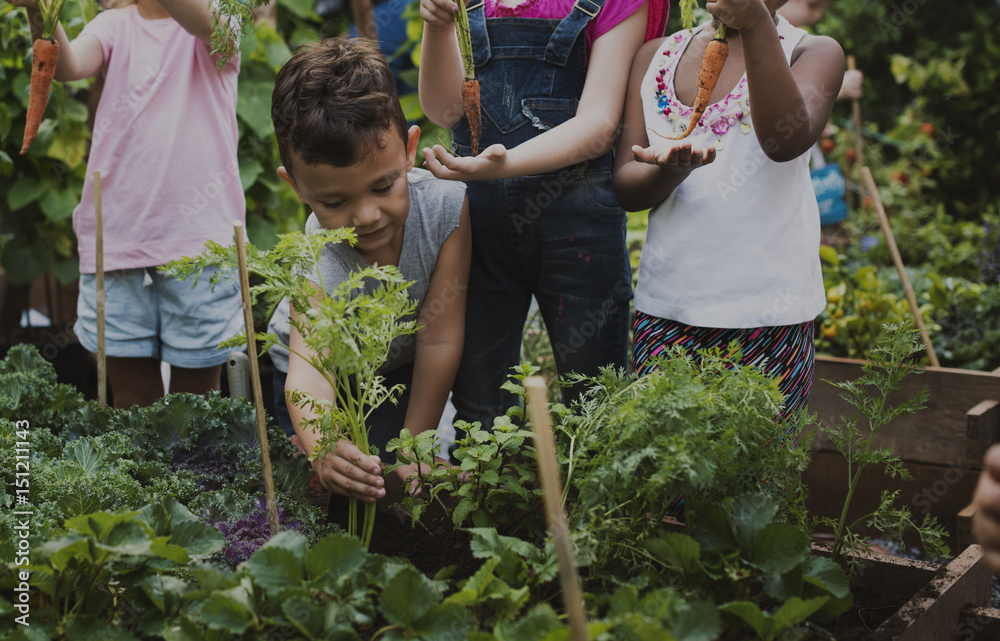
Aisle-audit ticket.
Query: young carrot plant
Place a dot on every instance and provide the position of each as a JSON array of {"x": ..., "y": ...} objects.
[
  {"x": 349, "y": 332},
  {"x": 890, "y": 363}
]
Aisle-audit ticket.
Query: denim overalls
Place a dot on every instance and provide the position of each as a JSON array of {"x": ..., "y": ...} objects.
[{"x": 558, "y": 236}]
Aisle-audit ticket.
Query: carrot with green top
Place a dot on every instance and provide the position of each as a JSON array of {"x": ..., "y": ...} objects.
[
  {"x": 45, "y": 56},
  {"x": 470, "y": 86}
]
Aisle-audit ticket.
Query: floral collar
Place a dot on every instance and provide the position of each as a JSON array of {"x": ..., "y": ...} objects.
[{"x": 718, "y": 118}]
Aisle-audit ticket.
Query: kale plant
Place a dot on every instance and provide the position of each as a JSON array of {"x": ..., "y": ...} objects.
[{"x": 245, "y": 535}]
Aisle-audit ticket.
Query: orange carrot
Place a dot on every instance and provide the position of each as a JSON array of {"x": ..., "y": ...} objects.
[
  {"x": 470, "y": 101},
  {"x": 45, "y": 53},
  {"x": 711, "y": 68}
]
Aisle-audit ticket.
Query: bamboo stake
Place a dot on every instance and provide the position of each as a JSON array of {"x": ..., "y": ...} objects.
[
  {"x": 883, "y": 221},
  {"x": 852, "y": 65},
  {"x": 258, "y": 396},
  {"x": 548, "y": 469},
  {"x": 102, "y": 362}
]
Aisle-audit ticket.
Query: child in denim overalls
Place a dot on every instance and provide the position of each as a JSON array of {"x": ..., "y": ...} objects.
[{"x": 545, "y": 221}]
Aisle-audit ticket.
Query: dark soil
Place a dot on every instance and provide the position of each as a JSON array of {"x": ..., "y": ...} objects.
[
  {"x": 428, "y": 551},
  {"x": 430, "y": 546},
  {"x": 871, "y": 609}
]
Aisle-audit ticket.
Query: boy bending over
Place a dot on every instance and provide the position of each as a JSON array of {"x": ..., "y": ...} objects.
[{"x": 346, "y": 151}]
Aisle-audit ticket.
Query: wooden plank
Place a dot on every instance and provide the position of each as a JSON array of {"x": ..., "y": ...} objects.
[
  {"x": 933, "y": 614},
  {"x": 935, "y": 435},
  {"x": 963, "y": 526},
  {"x": 940, "y": 491},
  {"x": 982, "y": 429},
  {"x": 978, "y": 623},
  {"x": 897, "y": 577}
]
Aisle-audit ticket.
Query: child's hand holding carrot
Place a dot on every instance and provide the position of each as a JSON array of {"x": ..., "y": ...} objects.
[
  {"x": 438, "y": 14},
  {"x": 739, "y": 14}
]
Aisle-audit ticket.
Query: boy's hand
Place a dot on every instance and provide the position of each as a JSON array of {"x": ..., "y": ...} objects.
[
  {"x": 738, "y": 14},
  {"x": 349, "y": 472},
  {"x": 437, "y": 14},
  {"x": 674, "y": 155},
  {"x": 486, "y": 166}
]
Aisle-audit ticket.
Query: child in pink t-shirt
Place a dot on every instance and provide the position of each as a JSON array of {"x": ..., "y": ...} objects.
[{"x": 165, "y": 139}]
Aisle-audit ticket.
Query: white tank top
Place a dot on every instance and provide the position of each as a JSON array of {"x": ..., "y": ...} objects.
[{"x": 736, "y": 245}]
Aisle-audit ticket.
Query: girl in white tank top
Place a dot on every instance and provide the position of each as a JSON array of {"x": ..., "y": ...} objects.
[{"x": 732, "y": 247}]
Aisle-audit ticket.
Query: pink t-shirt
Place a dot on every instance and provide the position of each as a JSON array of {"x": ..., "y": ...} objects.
[
  {"x": 613, "y": 12},
  {"x": 165, "y": 139}
]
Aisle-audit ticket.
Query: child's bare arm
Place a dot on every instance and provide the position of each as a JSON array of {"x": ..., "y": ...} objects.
[
  {"x": 441, "y": 69},
  {"x": 81, "y": 58},
  {"x": 439, "y": 342},
  {"x": 587, "y": 135},
  {"x": 646, "y": 174},
  {"x": 986, "y": 522},
  {"x": 347, "y": 470},
  {"x": 790, "y": 104},
  {"x": 193, "y": 15}
]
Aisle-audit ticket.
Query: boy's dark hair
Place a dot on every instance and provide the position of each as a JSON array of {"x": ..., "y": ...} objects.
[{"x": 333, "y": 101}]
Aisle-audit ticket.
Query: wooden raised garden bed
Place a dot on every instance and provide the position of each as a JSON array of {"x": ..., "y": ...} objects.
[{"x": 942, "y": 446}]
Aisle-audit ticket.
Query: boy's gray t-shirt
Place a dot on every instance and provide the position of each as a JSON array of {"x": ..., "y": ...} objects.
[{"x": 435, "y": 209}]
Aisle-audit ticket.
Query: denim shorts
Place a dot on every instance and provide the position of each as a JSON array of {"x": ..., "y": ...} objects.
[{"x": 151, "y": 315}]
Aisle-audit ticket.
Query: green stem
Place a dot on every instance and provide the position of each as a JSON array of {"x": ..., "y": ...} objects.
[
  {"x": 50, "y": 10},
  {"x": 465, "y": 40},
  {"x": 720, "y": 33},
  {"x": 838, "y": 541},
  {"x": 89, "y": 587}
]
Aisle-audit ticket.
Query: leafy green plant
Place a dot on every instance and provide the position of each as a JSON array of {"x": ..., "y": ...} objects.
[
  {"x": 962, "y": 314},
  {"x": 85, "y": 458},
  {"x": 349, "y": 332},
  {"x": 500, "y": 487},
  {"x": 952, "y": 55},
  {"x": 739, "y": 556},
  {"x": 891, "y": 363},
  {"x": 85, "y": 573},
  {"x": 860, "y": 301}
]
